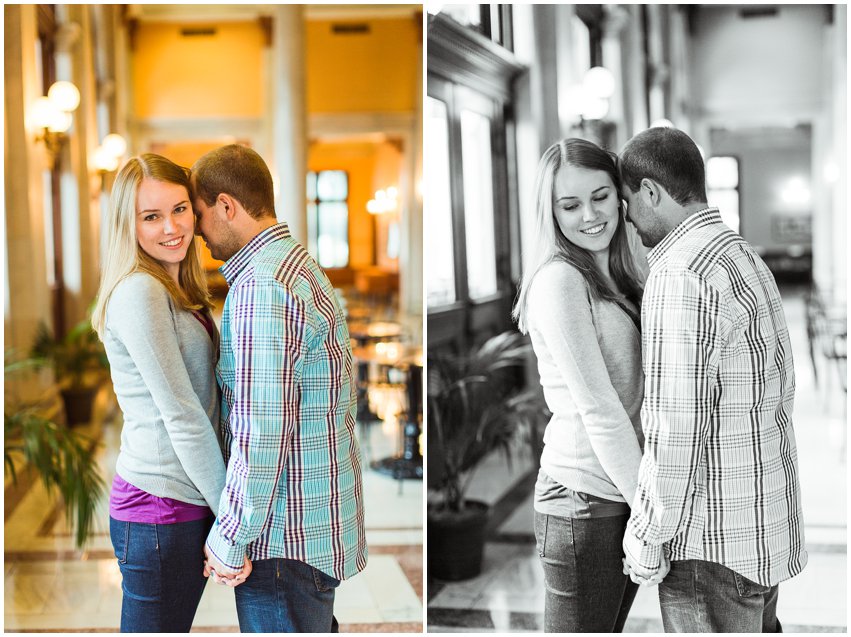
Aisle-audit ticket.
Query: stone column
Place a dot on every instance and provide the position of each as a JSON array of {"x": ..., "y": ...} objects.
[
  {"x": 411, "y": 219},
  {"x": 27, "y": 299},
  {"x": 289, "y": 117},
  {"x": 80, "y": 205}
]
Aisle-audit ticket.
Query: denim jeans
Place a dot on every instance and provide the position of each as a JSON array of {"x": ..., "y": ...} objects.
[
  {"x": 286, "y": 596},
  {"x": 583, "y": 573},
  {"x": 699, "y": 597},
  {"x": 162, "y": 571}
]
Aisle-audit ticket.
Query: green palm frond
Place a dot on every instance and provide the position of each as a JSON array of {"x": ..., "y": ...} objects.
[{"x": 62, "y": 459}]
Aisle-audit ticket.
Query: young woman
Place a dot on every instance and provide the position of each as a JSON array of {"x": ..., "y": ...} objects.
[
  {"x": 153, "y": 315},
  {"x": 579, "y": 302}
]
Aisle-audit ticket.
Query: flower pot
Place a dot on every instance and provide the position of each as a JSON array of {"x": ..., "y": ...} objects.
[
  {"x": 456, "y": 541},
  {"x": 78, "y": 404}
]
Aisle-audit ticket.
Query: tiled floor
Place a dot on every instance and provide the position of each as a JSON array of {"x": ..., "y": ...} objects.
[
  {"x": 509, "y": 594},
  {"x": 49, "y": 586}
]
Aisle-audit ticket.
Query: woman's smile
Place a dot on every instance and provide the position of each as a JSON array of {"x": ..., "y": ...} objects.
[{"x": 594, "y": 230}]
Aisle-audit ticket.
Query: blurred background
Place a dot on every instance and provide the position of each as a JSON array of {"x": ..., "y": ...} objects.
[
  {"x": 762, "y": 91},
  {"x": 331, "y": 98}
]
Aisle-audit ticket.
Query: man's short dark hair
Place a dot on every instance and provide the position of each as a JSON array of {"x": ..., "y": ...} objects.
[
  {"x": 239, "y": 172},
  {"x": 669, "y": 157}
]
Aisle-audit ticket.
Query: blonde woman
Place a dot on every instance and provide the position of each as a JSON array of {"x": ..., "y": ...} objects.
[
  {"x": 153, "y": 316},
  {"x": 579, "y": 302}
]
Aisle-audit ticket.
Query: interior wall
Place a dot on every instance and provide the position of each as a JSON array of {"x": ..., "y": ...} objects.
[
  {"x": 758, "y": 67},
  {"x": 354, "y": 71},
  {"x": 358, "y": 160},
  {"x": 769, "y": 159},
  {"x": 196, "y": 76}
]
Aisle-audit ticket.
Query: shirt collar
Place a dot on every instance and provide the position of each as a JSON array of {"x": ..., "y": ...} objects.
[
  {"x": 233, "y": 266},
  {"x": 696, "y": 220}
]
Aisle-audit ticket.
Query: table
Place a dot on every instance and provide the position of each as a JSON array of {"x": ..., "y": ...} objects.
[
  {"x": 365, "y": 332},
  {"x": 408, "y": 464}
]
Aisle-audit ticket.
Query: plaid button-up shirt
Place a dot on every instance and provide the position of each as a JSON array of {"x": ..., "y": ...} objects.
[
  {"x": 719, "y": 475},
  {"x": 293, "y": 487}
]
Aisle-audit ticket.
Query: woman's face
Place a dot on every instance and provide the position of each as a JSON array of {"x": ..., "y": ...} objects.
[
  {"x": 585, "y": 204},
  {"x": 165, "y": 224}
]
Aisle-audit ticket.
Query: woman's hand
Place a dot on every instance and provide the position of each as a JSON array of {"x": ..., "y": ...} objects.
[{"x": 223, "y": 575}]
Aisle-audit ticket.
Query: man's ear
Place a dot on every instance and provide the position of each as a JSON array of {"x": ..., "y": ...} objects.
[
  {"x": 651, "y": 191},
  {"x": 227, "y": 205}
]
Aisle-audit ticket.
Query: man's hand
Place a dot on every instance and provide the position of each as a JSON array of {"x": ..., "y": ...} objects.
[
  {"x": 643, "y": 576},
  {"x": 223, "y": 574}
]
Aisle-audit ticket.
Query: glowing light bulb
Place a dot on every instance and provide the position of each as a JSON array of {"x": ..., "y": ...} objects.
[
  {"x": 114, "y": 144},
  {"x": 65, "y": 95},
  {"x": 599, "y": 82}
]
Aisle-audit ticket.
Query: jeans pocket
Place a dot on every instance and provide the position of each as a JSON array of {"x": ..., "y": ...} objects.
[
  {"x": 323, "y": 581},
  {"x": 119, "y": 533},
  {"x": 749, "y": 588},
  {"x": 541, "y": 521}
]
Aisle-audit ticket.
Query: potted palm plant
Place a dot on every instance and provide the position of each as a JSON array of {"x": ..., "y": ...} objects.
[
  {"x": 78, "y": 360},
  {"x": 62, "y": 459},
  {"x": 475, "y": 407}
]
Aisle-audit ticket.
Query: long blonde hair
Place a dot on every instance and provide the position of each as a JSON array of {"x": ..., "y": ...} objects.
[
  {"x": 125, "y": 256},
  {"x": 551, "y": 244}
]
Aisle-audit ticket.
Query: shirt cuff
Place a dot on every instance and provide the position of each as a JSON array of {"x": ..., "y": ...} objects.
[
  {"x": 646, "y": 556},
  {"x": 226, "y": 551}
]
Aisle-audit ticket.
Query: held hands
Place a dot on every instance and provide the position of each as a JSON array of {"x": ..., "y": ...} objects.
[
  {"x": 646, "y": 577},
  {"x": 223, "y": 574}
]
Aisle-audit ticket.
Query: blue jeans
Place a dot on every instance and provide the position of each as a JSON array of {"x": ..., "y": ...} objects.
[
  {"x": 286, "y": 596},
  {"x": 699, "y": 597},
  {"x": 162, "y": 571},
  {"x": 583, "y": 572}
]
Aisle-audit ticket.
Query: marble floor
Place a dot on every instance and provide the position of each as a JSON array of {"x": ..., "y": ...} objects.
[
  {"x": 508, "y": 595},
  {"x": 52, "y": 587}
]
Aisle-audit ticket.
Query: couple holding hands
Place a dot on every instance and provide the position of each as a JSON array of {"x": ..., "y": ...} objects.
[
  {"x": 238, "y": 457},
  {"x": 670, "y": 457}
]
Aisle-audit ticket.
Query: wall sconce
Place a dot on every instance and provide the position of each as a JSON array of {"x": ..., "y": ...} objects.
[
  {"x": 590, "y": 100},
  {"x": 52, "y": 116},
  {"x": 107, "y": 157},
  {"x": 383, "y": 202}
]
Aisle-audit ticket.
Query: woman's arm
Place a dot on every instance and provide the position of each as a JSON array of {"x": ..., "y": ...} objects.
[
  {"x": 141, "y": 317},
  {"x": 562, "y": 315}
]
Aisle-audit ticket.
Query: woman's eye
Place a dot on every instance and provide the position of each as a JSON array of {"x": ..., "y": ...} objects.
[
  {"x": 570, "y": 208},
  {"x": 150, "y": 217},
  {"x": 602, "y": 197},
  {"x": 180, "y": 209}
]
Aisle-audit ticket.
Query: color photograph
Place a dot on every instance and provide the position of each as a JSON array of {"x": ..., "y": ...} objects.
[{"x": 213, "y": 318}]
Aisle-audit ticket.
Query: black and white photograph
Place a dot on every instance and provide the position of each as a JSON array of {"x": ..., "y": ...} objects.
[{"x": 635, "y": 269}]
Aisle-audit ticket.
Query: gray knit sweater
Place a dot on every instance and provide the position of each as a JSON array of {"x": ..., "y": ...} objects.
[
  {"x": 162, "y": 361},
  {"x": 589, "y": 359}
]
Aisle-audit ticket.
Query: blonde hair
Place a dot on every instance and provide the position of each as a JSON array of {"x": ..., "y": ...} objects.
[
  {"x": 124, "y": 255},
  {"x": 551, "y": 244}
]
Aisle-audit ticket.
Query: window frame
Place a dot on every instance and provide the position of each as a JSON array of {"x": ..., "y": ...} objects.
[{"x": 316, "y": 201}]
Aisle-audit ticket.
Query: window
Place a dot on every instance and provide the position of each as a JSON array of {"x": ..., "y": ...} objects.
[
  {"x": 328, "y": 217},
  {"x": 722, "y": 188},
  {"x": 478, "y": 204},
  {"x": 438, "y": 231}
]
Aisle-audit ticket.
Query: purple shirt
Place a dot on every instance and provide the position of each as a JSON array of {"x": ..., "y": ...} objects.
[{"x": 130, "y": 504}]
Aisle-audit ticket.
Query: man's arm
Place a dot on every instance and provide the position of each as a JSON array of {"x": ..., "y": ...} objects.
[
  {"x": 686, "y": 323},
  {"x": 268, "y": 327}
]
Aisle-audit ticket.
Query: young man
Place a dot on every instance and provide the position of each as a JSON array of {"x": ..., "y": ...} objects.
[
  {"x": 718, "y": 491},
  {"x": 293, "y": 499}
]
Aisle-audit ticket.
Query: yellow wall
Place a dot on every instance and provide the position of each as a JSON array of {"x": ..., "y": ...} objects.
[
  {"x": 358, "y": 72},
  {"x": 358, "y": 160},
  {"x": 199, "y": 76}
]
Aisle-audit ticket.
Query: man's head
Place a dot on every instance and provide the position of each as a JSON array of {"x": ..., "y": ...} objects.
[
  {"x": 663, "y": 179},
  {"x": 232, "y": 193}
]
